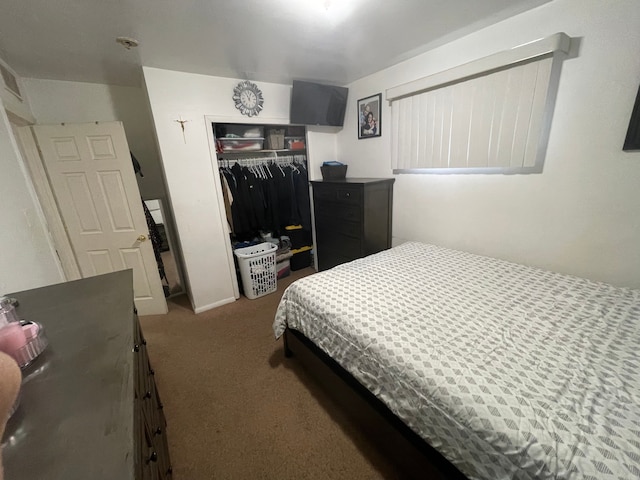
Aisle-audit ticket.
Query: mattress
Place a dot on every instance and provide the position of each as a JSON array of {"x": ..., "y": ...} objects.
[{"x": 509, "y": 371}]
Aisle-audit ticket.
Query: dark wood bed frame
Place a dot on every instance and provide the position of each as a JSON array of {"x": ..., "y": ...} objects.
[{"x": 448, "y": 470}]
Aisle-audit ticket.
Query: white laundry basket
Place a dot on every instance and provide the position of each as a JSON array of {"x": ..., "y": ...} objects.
[{"x": 258, "y": 269}]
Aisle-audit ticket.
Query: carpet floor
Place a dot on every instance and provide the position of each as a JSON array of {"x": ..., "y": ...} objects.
[{"x": 238, "y": 409}]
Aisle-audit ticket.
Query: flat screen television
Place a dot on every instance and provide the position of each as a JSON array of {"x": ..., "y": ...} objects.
[{"x": 317, "y": 104}]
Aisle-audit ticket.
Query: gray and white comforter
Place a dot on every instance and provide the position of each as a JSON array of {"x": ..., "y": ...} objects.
[{"x": 509, "y": 371}]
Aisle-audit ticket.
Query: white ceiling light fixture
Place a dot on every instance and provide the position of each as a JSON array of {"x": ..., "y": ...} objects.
[
  {"x": 127, "y": 42},
  {"x": 333, "y": 11}
]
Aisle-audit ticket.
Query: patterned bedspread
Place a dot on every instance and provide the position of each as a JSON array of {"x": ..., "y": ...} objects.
[{"x": 509, "y": 371}]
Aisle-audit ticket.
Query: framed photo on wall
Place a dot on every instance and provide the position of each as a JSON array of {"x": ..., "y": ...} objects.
[{"x": 369, "y": 117}]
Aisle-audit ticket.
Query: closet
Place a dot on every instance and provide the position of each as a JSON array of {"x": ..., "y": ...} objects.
[{"x": 265, "y": 187}]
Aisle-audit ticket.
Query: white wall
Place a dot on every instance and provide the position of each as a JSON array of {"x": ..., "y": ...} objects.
[
  {"x": 191, "y": 173},
  {"x": 582, "y": 214},
  {"x": 27, "y": 256},
  {"x": 55, "y": 101}
]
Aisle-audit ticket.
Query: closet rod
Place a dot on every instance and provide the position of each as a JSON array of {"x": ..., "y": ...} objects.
[{"x": 282, "y": 160}]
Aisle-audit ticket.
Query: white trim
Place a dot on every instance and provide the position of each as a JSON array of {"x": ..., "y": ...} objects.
[
  {"x": 559, "y": 42},
  {"x": 17, "y": 120},
  {"x": 209, "y": 121},
  {"x": 477, "y": 170}
]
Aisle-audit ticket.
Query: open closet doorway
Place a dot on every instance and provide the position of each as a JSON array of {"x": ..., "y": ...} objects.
[{"x": 264, "y": 188}]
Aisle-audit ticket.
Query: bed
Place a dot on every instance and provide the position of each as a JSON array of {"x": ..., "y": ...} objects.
[{"x": 508, "y": 371}]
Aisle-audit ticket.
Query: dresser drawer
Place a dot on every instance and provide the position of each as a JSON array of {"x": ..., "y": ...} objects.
[
  {"x": 349, "y": 195},
  {"x": 332, "y": 240},
  {"x": 330, "y": 226},
  {"x": 331, "y": 212}
]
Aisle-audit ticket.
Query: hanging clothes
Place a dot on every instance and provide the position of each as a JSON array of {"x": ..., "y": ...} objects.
[
  {"x": 268, "y": 195},
  {"x": 256, "y": 196},
  {"x": 247, "y": 218},
  {"x": 227, "y": 197}
]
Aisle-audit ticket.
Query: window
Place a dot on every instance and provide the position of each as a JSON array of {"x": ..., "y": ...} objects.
[{"x": 488, "y": 116}]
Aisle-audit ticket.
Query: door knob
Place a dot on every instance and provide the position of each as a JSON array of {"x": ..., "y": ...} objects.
[{"x": 142, "y": 238}]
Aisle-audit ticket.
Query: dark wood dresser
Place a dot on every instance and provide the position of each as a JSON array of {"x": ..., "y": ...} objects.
[
  {"x": 352, "y": 217},
  {"x": 89, "y": 406}
]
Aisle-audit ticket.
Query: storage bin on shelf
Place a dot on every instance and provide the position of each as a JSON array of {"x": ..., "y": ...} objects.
[
  {"x": 295, "y": 143},
  {"x": 298, "y": 236},
  {"x": 301, "y": 258},
  {"x": 239, "y": 131},
  {"x": 257, "y": 269},
  {"x": 275, "y": 138},
  {"x": 234, "y": 144},
  {"x": 283, "y": 263}
]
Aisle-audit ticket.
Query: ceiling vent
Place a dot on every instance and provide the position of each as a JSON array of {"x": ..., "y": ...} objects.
[{"x": 10, "y": 81}]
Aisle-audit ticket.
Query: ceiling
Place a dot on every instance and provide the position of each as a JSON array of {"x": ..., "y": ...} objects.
[{"x": 331, "y": 41}]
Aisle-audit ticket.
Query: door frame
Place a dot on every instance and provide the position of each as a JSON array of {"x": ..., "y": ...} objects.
[
  {"x": 40, "y": 182},
  {"x": 209, "y": 120}
]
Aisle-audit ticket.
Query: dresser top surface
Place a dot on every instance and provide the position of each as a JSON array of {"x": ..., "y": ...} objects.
[
  {"x": 75, "y": 418},
  {"x": 354, "y": 180}
]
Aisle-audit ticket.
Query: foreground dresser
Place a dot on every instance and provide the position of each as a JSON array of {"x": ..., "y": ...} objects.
[
  {"x": 89, "y": 406},
  {"x": 353, "y": 218}
]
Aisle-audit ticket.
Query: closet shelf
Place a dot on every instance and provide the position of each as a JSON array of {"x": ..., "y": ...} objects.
[{"x": 253, "y": 152}]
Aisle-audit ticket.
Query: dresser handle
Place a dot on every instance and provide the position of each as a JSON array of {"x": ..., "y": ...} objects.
[
  {"x": 147, "y": 395},
  {"x": 153, "y": 457},
  {"x": 136, "y": 348},
  {"x": 158, "y": 431},
  {"x": 152, "y": 371}
]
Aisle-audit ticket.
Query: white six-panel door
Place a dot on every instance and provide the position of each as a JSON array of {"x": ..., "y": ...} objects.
[{"x": 92, "y": 178}]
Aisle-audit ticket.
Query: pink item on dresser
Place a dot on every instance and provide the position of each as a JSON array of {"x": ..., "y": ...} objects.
[
  {"x": 12, "y": 339},
  {"x": 30, "y": 330}
]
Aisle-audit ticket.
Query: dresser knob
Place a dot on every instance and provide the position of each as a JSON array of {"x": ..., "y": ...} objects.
[
  {"x": 152, "y": 371},
  {"x": 153, "y": 457},
  {"x": 136, "y": 348},
  {"x": 158, "y": 431},
  {"x": 147, "y": 395}
]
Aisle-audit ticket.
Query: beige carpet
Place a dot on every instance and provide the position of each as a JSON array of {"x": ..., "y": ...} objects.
[{"x": 237, "y": 409}]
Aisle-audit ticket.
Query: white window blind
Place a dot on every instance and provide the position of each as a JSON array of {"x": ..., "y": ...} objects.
[{"x": 488, "y": 116}]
